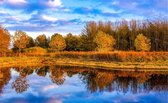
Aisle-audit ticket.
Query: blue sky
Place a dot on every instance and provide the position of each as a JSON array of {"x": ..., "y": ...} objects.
[{"x": 63, "y": 16}]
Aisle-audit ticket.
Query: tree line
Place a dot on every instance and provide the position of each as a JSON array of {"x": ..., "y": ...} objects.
[{"x": 122, "y": 35}]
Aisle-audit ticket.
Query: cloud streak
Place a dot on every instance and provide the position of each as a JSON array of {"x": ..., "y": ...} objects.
[
  {"x": 16, "y": 2},
  {"x": 54, "y": 3}
]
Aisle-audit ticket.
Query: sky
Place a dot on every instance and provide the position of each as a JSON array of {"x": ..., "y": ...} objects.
[{"x": 37, "y": 17}]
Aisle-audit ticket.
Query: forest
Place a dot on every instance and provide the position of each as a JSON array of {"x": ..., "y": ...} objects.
[{"x": 134, "y": 35}]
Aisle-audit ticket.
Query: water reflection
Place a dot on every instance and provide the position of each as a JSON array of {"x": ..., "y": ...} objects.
[
  {"x": 42, "y": 71},
  {"x": 57, "y": 75},
  {"x": 20, "y": 84},
  {"x": 5, "y": 76},
  {"x": 94, "y": 80}
]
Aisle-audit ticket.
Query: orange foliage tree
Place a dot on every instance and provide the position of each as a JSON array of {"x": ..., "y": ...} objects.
[
  {"x": 4, "y": 40},
  {"x": 21, "y": 40}
]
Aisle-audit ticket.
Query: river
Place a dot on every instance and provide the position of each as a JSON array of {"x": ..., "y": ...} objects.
[{"x": 58, "y": 84}]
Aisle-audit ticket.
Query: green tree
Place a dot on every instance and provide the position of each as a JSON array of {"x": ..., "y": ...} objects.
[
  {"x": 104, "y": 42},
  {"x": 42, "y": 41},
  {"x": 57, "y": 42},
  {"x": 73, "y": 42},
  {"x": 31, "y": 43},
  {"x": 142, "y": 43},
  {"x": 21, "y": 40},
  {"x": 4, "y": 40}
]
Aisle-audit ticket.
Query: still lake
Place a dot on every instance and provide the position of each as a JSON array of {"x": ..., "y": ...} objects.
[{"x": 58, "y": 84}]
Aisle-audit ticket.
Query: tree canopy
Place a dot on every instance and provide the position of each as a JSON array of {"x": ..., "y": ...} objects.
[
  {"x": 4, "y": 40},
  {"x": 21, "y": 40},
  {"x": 104, "y": 42},
  {"x": 42, "y": 41},
  {"x": 73, "y": 42},
  {"x": 142, "y": 43},
  {"x": 57, "y": 42},
  {"x": 133, "y": 35}
]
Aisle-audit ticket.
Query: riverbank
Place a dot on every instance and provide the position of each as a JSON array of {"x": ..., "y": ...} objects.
[{"x": 26, "y": 61}]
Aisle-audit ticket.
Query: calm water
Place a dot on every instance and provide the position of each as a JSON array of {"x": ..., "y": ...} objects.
[{"x": 81, "y": 85}]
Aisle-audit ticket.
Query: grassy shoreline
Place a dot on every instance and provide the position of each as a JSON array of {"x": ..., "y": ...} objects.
[{"x": 47, "y": 61}]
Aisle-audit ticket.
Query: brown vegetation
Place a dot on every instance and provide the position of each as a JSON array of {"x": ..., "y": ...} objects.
[
  {"x": 116, "y": 56},
  {"x": 4, "y": 40},
  {"x": 109, "y": 60}
]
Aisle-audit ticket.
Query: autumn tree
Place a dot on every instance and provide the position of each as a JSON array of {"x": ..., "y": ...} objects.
[
  {"x": 42, "y": 41},
  {"x": 4, "y": 40},
  {"x": 20, "y": 40},
  {"x": 157, "y": 32},
  {"x": 73, "y": 42},
  {"x": 57, "y": 75},
  {"x": 90, "y": 31},
  {"x": 122, "y": 31},
  {"x": 31, "y": 43},
  {"x": 142, "y": 43},
  {"x": 106, "y": 27},
  {"x": 57, "y": 42},
  {"x": 88, "y": 34},
  {"x": 104, "y": 42}
]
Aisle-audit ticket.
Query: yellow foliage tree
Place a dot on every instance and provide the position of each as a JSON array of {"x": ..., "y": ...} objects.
[
  {"x": 142, "y": 43},
  {"x": 104, "y": 42},
  {"x": 57, "y": 42}
]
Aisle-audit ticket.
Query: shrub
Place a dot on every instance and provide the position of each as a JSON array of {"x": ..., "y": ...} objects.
[{"x": 35, "y": 50}]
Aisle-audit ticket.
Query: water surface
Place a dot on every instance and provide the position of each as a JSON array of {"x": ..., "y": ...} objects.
[{"x": 56, "y": 84}]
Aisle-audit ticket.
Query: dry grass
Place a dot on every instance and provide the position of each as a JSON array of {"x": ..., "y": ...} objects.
[
  {"x": 110, "y": 60},
  {"x": 116, "y": 56}
]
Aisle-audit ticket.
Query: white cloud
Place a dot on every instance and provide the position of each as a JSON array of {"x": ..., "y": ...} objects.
[
  {"x": 3, "y": 12},
  {"x": 115, "y": 3},
  {"x": 109, "y": 10},
  {"x": 49, "y": 18},
  {"x": 49, "y": 87},
  {"x": 66, "y": 10},
  {"x": 54, "y": 3},
  {"x": 16, "y": 2}
]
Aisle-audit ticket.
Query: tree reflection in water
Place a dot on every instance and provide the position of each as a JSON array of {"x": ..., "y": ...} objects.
[
  {"x": 5, "y": 76},
  {"x": 57, "y": 75},
  {"x": 42, "y": 71},
  {"x": 95, "y": 80},
  {"x": 21, "y": 83},
  {"x": 125, "y": 82}
]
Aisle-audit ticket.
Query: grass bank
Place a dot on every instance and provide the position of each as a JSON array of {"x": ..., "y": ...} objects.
[{"x": 121, "y": 60}]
